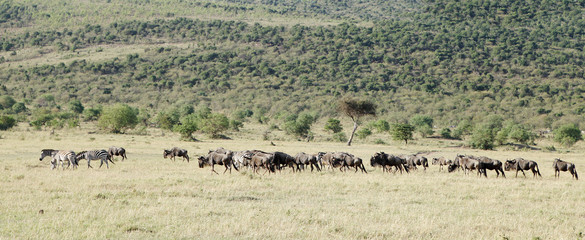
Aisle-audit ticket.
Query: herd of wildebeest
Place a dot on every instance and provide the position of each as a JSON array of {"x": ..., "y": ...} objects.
[{"x": 278, "y": 161}]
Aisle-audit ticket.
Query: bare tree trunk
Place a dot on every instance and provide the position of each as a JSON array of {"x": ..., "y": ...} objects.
[{"x": 355, "y": 126}]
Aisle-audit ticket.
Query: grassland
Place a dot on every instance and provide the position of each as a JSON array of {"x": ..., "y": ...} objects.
[{"x": 148, "y": 197}]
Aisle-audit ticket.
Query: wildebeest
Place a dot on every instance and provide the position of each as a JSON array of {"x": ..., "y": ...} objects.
[
  {"x": 355, "y": 162},
  {"x": 59, "y": 156},
  {"x": 303, "y": 159},
  {"x": 468, "y": 163},
  {"x": 486, "y": 163},
  {"x": 101, "y": 155},
  {"x": 262, "y": 159},
  {"x": 117, "y": 151},
  {"x": 560, "y": 165},
  {"x": 175, "y": 151},
  {"x": 282, "y": 160},
  {"x": 441, "y": 161},
  {"x": 521, "y": 164},
  {"x": 387, "y": 161},
  {"x": 422, "y": 161},
  {"x": 213, "y": 158},
  {"x": 410, "y": 162}
]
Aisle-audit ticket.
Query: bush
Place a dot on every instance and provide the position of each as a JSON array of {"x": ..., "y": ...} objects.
[
  {"x": 92, "y": 114},
  {"x": 381, "y": 125},
  {"x": 402, "y": 132},
  {"x": 6, "y": 102},
  {"x": 333, "y": 125},
  {"x": 446, "y": 133},
  {"x": 339, "y": 137},
  {"x": 463, "y": 128},
  {"x": 214, "y": 124},
  {"x": 7, "y": 122},
  {"x": 189, "y": 124},
  {"x": 167, "y": 120},
  {"x": 422, "y": 124},
  {"x": 76, "y": 106},
  {"x": 567, "y": 134},
  {"x": 236, "y": 125},
  {"x": 483, "y": 138},
  {"x": 299, "y": 126},
  {"x": 18, "y": 107},
  {"x": 118, "y": 118},
  {"x": 363, "y": 133}
]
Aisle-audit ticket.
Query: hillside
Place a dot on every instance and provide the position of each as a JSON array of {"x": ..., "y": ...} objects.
[{"x": 451, "y": 60}]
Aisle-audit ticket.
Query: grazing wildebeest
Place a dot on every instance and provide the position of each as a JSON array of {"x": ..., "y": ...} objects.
[
  {"x": 387, "y": 161},
  {"x": 560, "y": 165},
  {"x": 175, "y": 151},
  {"x": 410, "y": 162},
  {"x": 302, "y": 159},
  {"x": 117, "y": 151},
  {"x": 441, "y": 161},
  {"x": 213, "y": 158},
  {"x": 486, "y": 163},
  {"x": 262, "y": 159},
  {"x": 521, "y": 164},
  {"x": 59, "y": 156},
  {"x": 422, "y": 161},
  {"x": 101, "y": 155}
]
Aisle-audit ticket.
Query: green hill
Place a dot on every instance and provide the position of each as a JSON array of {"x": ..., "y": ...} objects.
[{"x": 450, "y": 60}]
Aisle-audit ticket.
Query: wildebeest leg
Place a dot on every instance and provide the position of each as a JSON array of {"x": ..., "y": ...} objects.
[
  {"x": 213, "y": 169},
  {"x": 522, "y": 172},
  {"x": 88, "y": 166}
]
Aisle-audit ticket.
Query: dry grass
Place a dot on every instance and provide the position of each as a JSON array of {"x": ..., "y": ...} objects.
[{"x": 151, "y": 197}]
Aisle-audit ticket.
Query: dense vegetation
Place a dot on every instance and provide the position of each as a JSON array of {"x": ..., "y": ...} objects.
[{"x": 454, "y": 62}]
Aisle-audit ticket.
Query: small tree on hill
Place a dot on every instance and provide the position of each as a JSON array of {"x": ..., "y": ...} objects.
[
  {"x": 355, "y": 109},
  {"x": 118, "y": 118},
  {"x": 333, "y": 125},
  {"x": 402, "y": 132},
  {"x": 567, "y": 134}
]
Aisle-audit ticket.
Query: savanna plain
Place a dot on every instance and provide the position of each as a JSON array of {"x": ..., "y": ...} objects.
[{"x": 148, "y": 197}]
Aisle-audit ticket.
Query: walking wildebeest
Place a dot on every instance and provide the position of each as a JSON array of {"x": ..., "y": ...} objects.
[
  {"x": 441, "y": 161},
  {"x": 422, "y": 161},
  {"x": 117, "y": 151},
  {"x": 560, "y": 165},
  {"x": 282, "y": 160},
  {"x": 387, "y": 161},
  {"x": 521, "y": 164},
  {"x": 175, "y": 151},
  {"x": 486, "y": 163},
  {"x": 410, "y": 162},
  {"x": 349, "y": 160},
  {"x": 302, "y": 159},
  {"x": 262, "y": 159},
  {"x": 213, "y": 158},
  {"x": 468, "y": 163}
]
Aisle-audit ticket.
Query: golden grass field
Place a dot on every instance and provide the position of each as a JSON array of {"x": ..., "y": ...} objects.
[{"x": 148, "y": 197}]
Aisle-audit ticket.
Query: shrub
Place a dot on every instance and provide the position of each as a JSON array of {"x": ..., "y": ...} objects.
[
  {"x": 482, "y": 138},
  {"x": 118, "y": 118},
  {"x": 299, "y": 126},
  {"x": 189, "y": 124},
  {"x": 7, "y": 122},
  {"x": 446, "y": 133},
  {"x": 214, "y": 124},
  {"x": 75, "y": 106},
  {"x": 167, "y": 120},
  {"x": 6, "y": 102},
  {"x": 339, "y": 137},
  {"x": 567, "y": 134},
  {"x": 381, "y": 125},
  {"x": 18, "y": 107},
  {"x": 92, "y": 114},
  {"x": 463, "y": 128},
  {"x": 422, "y": 124},
  {"x": 363, "y": 133},
  {"x": 333, "y": 125},
  {"x": 402, "y": 132},
  {"x": 236, "y": 124}
]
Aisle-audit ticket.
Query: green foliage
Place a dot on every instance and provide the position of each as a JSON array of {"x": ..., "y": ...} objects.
[
  {"x": 446, "y": 133},
  {"x": 422, "y": 124},
  {"x": 214, "y": 124},
  {"x": 6, "y": 102},
  {"x": 76, "y": 106},
  {"x": 300, "y": 125},
  {"x": 402, "y": 132},
  {"x": 483, "y": 138},
  {"x": 464, "y": 128},
  {"x": 380, "y": 125},
  {"x": 240, "y": 115},
  {"x": 118, "y": 118},
  {"x": 339, "y": 137},
  {"x": 517, "y": 132},
  {"x": 567, "y": 134},
  {"x": 236, "y": 124},
  {"x": 188, "y": 125},
  {"x": 7, "y": 122},
  {"x": 363, "y": 133},
  {"x": 167, "y": 120},
  {"x": 92, "y": 114},
  {"x": 19, "y": 107},
  {"x": 333, "y": 125}
]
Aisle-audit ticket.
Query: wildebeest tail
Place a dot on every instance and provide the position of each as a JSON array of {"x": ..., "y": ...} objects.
[
  {"x": 363, "y": 168},
  {"x": 234, "y": 165},
  {"x": 576, "y": 175},
  {"x": 537, "y": 170}
]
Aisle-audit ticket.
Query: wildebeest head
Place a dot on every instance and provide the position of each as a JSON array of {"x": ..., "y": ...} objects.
[
  {"x": 452, "y": 167},
  {"x": 376, "y": 160},
  {"x": 202, "y": 161},
  {"x": 435, "y": 161},
  {"x": 166, "y": 153},
  {"x": 508, "y": 165}
]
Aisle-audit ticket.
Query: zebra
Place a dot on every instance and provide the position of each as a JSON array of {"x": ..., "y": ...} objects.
[
  {"x": 60, "y": 156},
  {"x": 95, "y": 155},
  {"x": 117, "y": 151}
]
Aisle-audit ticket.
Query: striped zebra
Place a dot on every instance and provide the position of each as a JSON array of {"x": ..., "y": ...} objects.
[
  {"x": 95, "y": 155},
  {"x": 59, "y": 156}
]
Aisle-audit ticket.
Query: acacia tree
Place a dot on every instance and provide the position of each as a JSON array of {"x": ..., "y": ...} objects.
[{"x": 355, "y": 109}]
